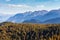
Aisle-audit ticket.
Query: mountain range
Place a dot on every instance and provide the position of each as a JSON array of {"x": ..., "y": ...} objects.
[{"x": 42, "y": 16}]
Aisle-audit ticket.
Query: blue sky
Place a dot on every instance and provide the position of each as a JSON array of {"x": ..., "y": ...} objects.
[{"x": 17, "y": 6}]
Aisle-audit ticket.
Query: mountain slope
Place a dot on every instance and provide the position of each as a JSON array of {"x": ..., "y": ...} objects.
[
  {"x": 52, "y": 21},
  {"x": 43, "y": 16},
  {"x": 20, "y": 17},
  {"x": 32, "y": 21},
  {"x": 50, "y": 15}
]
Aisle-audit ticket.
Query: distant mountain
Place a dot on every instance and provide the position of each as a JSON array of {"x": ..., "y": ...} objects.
[
  {"x": 50, "y": 15},
  {"x": 53, "y": 21},
  {"x": 16, "y": 18},
  {"x": 50, "y": 21},
  {"x": 20, "y": 17},
  {"x": 43, "y": 16},
  {"x": 32, "y": 21}
]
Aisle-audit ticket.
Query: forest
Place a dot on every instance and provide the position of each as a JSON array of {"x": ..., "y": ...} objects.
[{"x": 23, "y": 31}]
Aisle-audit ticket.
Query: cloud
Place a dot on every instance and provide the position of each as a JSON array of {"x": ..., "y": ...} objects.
[
  {"x": 13, "y": 8},
  {"x": 27, "y": 7},
  {"x": 7, "y": 0},
  {"x": 56, "y": 0}
]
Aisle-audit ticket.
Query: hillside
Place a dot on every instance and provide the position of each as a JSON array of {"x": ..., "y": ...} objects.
[{"x": 14, "y": 31}]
